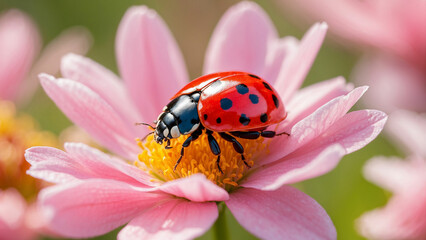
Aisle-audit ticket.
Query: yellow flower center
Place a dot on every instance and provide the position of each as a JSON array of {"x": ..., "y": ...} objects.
[
  {"x": 18, "y": 133},
  {"x": 198, "y": 158}
]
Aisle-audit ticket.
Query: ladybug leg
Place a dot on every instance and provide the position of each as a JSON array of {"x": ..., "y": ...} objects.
[
  {"x": 185, "y": 144},
  {"x": 168, "y": 144},
  {"x": 246, "y": 135},
  {"x": 237, "y": 146},
  {"x": 257, "y": 134},
  {"x": 214, "y": 147}
]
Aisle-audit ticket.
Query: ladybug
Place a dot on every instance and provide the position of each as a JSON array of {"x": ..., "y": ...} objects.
[{"x": 233, "y": 104}]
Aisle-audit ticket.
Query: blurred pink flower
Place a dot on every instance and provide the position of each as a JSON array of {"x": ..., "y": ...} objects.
[
  {"x": 393, "y": 35},
  {"x": 404, "y": 216},
  {"x": 20, "y": 45},
  {"x": 15, "y": 216},
  {"x": 97, "y": 192}
]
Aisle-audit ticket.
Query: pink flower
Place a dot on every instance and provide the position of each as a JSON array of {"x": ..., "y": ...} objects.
[
  {"x": 404, "y": 216},
  {"x": 18, "y": 220},
  {"x": 20, "y": 46},
  {"x": 97, "y": 192},
  {"x": 393, "y": 36}
]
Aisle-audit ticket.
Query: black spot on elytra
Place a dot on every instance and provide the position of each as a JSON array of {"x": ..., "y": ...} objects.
[
  {"x": 264, "y": 117},
  {"x": 275, "y": 99},
  {"x": 205, "y": 116},
  {"x": 267, "y": 86},
  {"x": 244, "y": 119},
  {"x": 242, "y": 89},
  {"x": 225, "y": 103},
  {"x": 254, "y": 98},
  {"x": 254, "y": 76},
  {"x": 218, "y": 120},
  {"x": 194, "y": 121}
]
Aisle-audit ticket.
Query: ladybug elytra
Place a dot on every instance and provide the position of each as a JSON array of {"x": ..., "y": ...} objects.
[{"x": 233, "y": 104}]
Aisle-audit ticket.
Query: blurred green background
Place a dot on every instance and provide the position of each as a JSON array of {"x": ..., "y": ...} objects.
[{"x": 344, "y": 193}]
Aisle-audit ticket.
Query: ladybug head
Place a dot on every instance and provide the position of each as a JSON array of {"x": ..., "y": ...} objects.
[
  {"x": 159, "y": 135},
  {"x": 162, "y": 134}
]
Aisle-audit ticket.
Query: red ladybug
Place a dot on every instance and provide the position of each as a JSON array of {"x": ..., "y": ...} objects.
[{"x": 233, "y": 104}]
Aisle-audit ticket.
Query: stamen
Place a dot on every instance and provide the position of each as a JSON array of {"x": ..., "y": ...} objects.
[{"x": 198, "y": 158}]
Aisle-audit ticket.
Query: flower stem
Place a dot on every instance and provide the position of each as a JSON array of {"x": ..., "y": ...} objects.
[{"x": 219, "y": 228}]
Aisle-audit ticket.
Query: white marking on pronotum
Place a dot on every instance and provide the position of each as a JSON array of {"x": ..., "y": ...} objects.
[
  {"x": 193, "y": 128},
  {"x": 166, "y": 132},
  {"x": 175, "y": 132}
]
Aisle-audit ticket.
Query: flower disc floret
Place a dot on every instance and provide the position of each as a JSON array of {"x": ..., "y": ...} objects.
[{"x": 198, "y": 158}]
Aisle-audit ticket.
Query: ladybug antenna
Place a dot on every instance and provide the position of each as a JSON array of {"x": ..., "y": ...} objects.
[
  {"x": 146, "y": 124},
  {"x": 143, "y": 139}
]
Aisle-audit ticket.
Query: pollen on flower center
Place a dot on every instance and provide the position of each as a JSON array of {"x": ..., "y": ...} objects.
[{"x": 198, "y": 158}]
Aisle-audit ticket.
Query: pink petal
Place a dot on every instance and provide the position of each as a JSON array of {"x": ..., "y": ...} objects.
[
  {"x": 240, "y": 40},
  {"x": 149, "y": 61},
  {"x": 402, "y": 218},
  {"x": 81, "y": 162},
  {"x": 195, "y": 188},
  {"x": 353, "y": 131},
  {"x": 106, "y": 166},
  {"x": 315, "y": 124},
  {"x": 285, "y": 213},
  {"x": 291, "y": 169},
  {"x": 106, "y": 84},
  {"x": 348, "y": 134},
  {"x": 310, "y": 98},
  {"x": 75, "y": 39},
  {"x": 395, "y": 174},
  {"x": 408, "y": 130},
  {"x": 89, "y": 208},
  {"x": 13, "y": 213},
  {"x": 394, "y": 83},
  {"x": 88, "y": 110},
  {"x": 372, "y": 23},
  {"x": 404, "y": 215},
  {"x": 12, "y": 209},
  {"x": 53, "y": 165},
  {"x": 177, "y": 219},
  {"x": 19, "y": 45},
  {"x": 294, "y": 70},
  {"x": 279, "y": 51}
]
